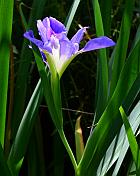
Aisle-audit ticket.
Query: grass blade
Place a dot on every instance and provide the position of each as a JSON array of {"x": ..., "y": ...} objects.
[
  {"x": 5, "y": 40},
  {"x": 4, "y": 170},
  {"x": 119, "y": 146},
  {"x": 132, "y": 140},
  {"x": 118, "y": 55},
  {"x": 106, "y": 15},
  {"x": 102, "y": 68},
  {"x": 19, "y": 146},
  {"x": 24, "y": 67},
  {"x": 46, "y": 84},
  {"x": 98, "y": 143},
  {"x": 71, "y": 13},
  {"x": 57, "y": 120}
]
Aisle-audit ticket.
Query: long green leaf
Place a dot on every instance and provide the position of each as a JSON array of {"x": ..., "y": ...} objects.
[
  {"x": 71, "y": 13},
  {"x": 48, "y": 92},
  {"x": 4, "y": 170},
  {"x": 23, "y": 73},
  {"x": 5, "y": 40},
  {"x": 132, "y": 140},
  {"x": 120, "y": 149},
  {"x": 120, "y": 51},
  {"x": 19, "y": 146},
  {"x": 102, "y": 68},
  {"x": 106, "y": 15},
  {"x": 102, "y": 136},
  {"x": 119, "y": 146},
  {"x": 58, "y": 120}
]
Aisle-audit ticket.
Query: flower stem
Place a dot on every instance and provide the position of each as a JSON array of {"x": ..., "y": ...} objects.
[{"x": 66, "y": 144}]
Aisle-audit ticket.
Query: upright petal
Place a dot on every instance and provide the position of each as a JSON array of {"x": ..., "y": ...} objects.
[
  {"x": 66, "y": 50},
  {"x": 98, "y": 43},
  {"x": 78, "y": 36},
  {"x": 57, "y": 26},
  {"x": 46, "y": 23},
  {"x": 42, "y": 31}
]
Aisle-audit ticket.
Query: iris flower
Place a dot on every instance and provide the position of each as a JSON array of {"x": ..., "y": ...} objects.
[{"x": 55, "y": 44}]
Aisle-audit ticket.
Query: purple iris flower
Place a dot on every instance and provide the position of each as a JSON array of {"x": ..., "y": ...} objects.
[{"x": 54, "y": 42}]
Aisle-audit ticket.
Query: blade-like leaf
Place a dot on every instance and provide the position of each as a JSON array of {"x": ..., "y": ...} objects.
[
  {"x": 106, "y": 15},
  {"x": 46, "y": 83},
  {"x": 19, "y": 146},
  {"x": 102, "y": 136},
  {"x": 4, "y": 170},
  {"x": 119, "y": 146},
  {"x": 120, "y": 51},
  {"x": 71, "y": 13},
  {"x": 5, "y": 40},
  {"x": 24, "y": 67},
  {"x": 54, "y": 112},
  {"x": 102, "y": 68},
  {"x": 132, "y": 140}
]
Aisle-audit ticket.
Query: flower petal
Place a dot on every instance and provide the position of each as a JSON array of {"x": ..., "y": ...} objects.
[
  {"x": 46, "y": 23},
  {"x": 66, "y": 50},
  {"x": 42, "y": 31},
  {"x": 30, "y": 36},
  {"x": 78, "y": 36},
  {"x": 98, "y": 43},
  {"x": 56, "y": 26}
]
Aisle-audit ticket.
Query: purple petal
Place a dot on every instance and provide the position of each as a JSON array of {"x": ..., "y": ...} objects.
[
  {"x": 98, "y": 43},
  {"x": 78, "y": 36},
  {"x": 30, "y": 36},
  {"x": 66, "y": 50},
  {"x": 57, "y": 26},
  {"x": 42, "y": 31},
  {"x": 46, "y": 23}
]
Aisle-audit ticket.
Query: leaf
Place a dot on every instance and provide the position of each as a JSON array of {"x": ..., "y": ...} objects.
[
  {"x": 132, "y": 140},
  {"x": 71, "y": 14},
  {"x": 98, "y": 143},
  {"x": 119, "y": 146},
  {"x": 46, "y": 84},
  {"x": 21, "y": 86},
  {"x": 5, "y": 40},
  {"x": 4, "y": 170},
  {"x": 120, "y": 51},
  {"x": 102, "y": 68},
  {"x": 21, "y": 141},
  {"x": 106, "y": 15},
  {"x": 79, "y": 140}
]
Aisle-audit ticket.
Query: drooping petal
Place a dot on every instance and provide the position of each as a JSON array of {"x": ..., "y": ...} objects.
[
  {"x": 30, "y": 36},
  {"x": 98, "y": 43},
  {"x": 57, "y": 26},
  {"x": 78, "y": 36},
  {"x": 66, "y": 50}
]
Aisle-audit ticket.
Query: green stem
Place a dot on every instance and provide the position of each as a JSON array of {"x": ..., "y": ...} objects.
[{"x": 66, "y": 144}]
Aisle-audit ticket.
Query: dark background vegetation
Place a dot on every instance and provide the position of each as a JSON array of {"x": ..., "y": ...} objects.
[{"x": 78, "y": 82}]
